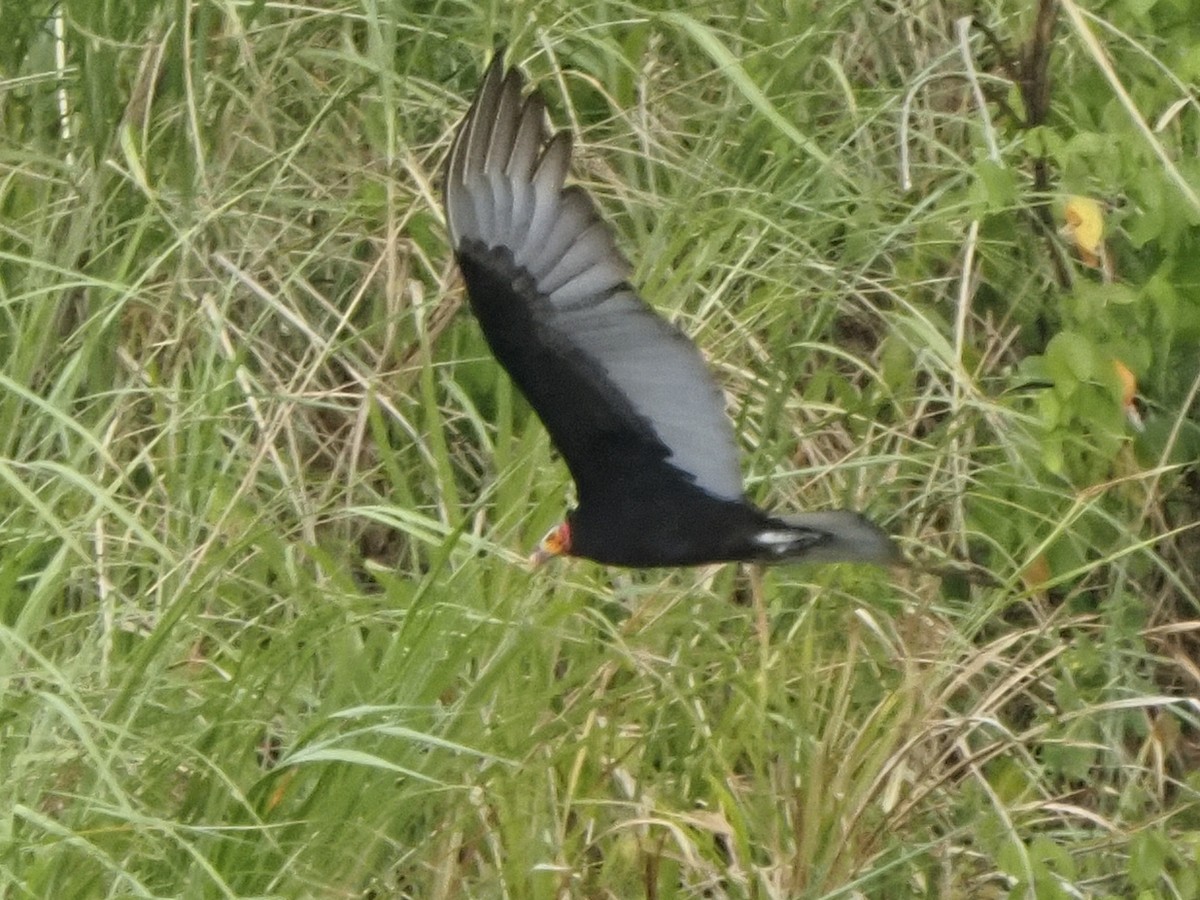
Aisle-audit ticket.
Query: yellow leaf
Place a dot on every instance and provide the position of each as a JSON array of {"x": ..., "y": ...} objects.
[
  {"x": 1128, "y": 392},
  {"x": 1128, "y": 382},
  {"x": 1085, "y": 224}
]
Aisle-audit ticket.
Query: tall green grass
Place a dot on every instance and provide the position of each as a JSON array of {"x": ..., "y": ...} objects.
[{"x": 265, "y": 628}]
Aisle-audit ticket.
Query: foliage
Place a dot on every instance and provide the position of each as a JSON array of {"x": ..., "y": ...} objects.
[{"x": 264, "y": 627}]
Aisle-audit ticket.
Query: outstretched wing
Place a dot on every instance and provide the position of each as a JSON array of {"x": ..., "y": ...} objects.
[{"x": 624, "y": 394}]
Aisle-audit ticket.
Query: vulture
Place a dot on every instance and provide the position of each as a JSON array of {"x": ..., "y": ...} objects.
[{"x": 626, "y": 397}]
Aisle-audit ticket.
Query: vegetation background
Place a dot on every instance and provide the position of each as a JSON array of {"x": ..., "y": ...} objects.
[{"x": 264, "y": 497}]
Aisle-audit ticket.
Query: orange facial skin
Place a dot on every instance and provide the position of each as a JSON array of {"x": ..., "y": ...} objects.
[{"x": 557, "y": 542}]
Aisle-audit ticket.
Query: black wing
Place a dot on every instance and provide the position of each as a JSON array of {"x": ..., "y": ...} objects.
[{"x": 620, "y": 390}]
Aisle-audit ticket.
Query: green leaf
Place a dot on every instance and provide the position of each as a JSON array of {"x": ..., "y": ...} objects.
[
  {"x": 998, "y": 183},
  {"x": 1069, "y": 760},
  {"x": 1148, "y": 854},
  {"x": 1052, "y": 455},
  {"x": 1071, "y": 357},
  {"x": 1096, "y": 296},
  {"x": 1053, "y": 855},
  {"x": 1050, "y": 407}
]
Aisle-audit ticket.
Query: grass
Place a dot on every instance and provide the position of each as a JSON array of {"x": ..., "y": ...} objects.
[{"x": 264, "y": 625}]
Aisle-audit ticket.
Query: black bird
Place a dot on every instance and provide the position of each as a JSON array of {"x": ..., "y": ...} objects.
[{"x": 626, "y": 396}]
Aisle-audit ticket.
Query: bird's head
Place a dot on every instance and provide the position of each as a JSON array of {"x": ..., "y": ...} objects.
[{"x": 557, "y": 542}]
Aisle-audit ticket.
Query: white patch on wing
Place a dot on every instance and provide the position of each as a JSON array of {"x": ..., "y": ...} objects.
[{"x": 775, "y": 538}]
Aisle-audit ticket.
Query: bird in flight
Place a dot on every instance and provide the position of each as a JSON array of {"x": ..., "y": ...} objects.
[{"x": 626, "y": 397}]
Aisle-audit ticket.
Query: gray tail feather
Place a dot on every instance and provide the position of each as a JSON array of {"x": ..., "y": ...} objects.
[{"x": 848, "y": 537}]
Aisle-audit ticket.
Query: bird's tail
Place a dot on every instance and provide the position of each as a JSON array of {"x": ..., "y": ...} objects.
[{"x": 838, "y": 535}]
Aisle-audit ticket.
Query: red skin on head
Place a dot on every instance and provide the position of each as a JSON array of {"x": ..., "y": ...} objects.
[{"x": 557, "y": 542}]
